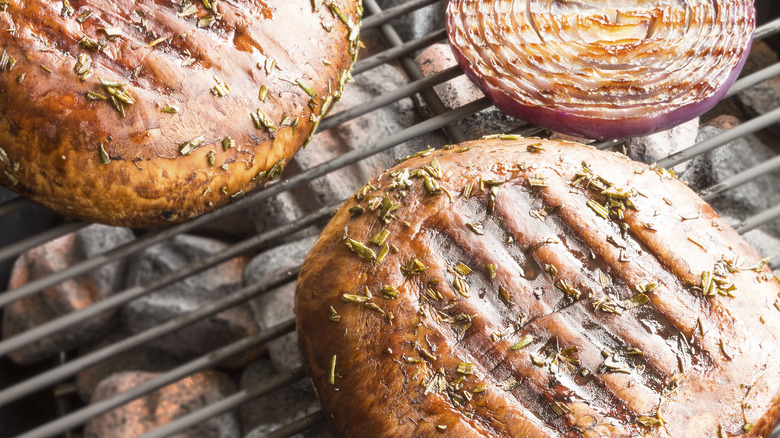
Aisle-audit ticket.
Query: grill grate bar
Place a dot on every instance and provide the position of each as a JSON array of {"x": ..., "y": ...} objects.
[
  {"x": 758, "y": 219},
  {"x": 82, "y": 415},
  {"x": 767, "y": 29},
  {"x": 390, "y": 97},
  {"x": 227, "y": 404},
  {"x": 741, "y": 178},
  {"x": 379, "y": 17},
  {"x": 42, "y": 237},
  {"x": 753, "y": 79},
  {"x": 73, "y": 318},
  {"x": 71, "y": 368},
  {"x": 415, "y": 74},
  {"x": 298, "y": 425},
  {"x": 398, "y": 51},
  {"x": 14, "y": 204},
  {"x": 749, "y": 127}
]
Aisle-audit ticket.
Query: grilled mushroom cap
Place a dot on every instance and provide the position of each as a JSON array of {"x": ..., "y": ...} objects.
[
  {"x": 150, "y": 113},
  {"x": 525, "y": 287}
]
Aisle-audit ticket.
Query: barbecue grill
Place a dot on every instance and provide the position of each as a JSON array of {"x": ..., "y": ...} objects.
[{"x": 39, "y": 400}]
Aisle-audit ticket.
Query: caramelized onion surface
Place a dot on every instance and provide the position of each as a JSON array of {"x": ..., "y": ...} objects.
[{"x": 602, "y": 69}]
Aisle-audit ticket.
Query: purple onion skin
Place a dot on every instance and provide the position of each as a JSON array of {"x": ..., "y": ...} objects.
[{"x": 604, "y": 127}]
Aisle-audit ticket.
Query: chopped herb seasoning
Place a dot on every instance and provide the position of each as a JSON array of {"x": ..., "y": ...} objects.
[
  {"x": 651, "y": 421},
  {"x": 423, "y": 153},
  {"x": 112, "y": 32},
  {"x": 727, "y": 354},
  {"x": 375, "y": 307},
  {"x": 361, "y": 250},
  {"x": 508, "y": 384},
  {"x": 90, "y": 44},
  {"x": 462, "y": 269},
  {"x": 119, "y": 95},
  {"x": 465, "y": 368},
  {"x": 190, "y": 146},
  {"x": 67, "y": 9},
  {"x": 387, "y": 208},
  {"x": 598, "y": 208},
  {"x": 635, "y": 301},
  {"x": 263, "y": 94},
  {"x": 269, "y": 65},
  {"x": 263, "y": 121},
  {"x": 206, "y": 22},
  {"x": 435, "y": 383},
  {"x": 211, "y": 158},
  {"x": 333, "y": 315},
  {"x": 187, "y": 9},
  {"x": 158, "y": 41},
  {"x": 104, "y": 158},
  {"x": 607, "y": 304},
  {"x": 91, "y": 95},
  {"x": 356, "y": 210},
  {"x": 467, "y": 190},
  {"x": 542, "y": 213},
  {"x": 476, "y": 227},
  {"x": 504, "y": 295},
  {"x": 83, "y": 67},
  {"x": 414, "y": 267},
  {"x": 559, "y": 408},
  {"x": 613, "y": 365},
  {"x": 382, "y": 253},
  {"x": 556, "y": 358},
  {"x": 7, "y": 62},
  {"x": 538, "y": 181},
  {"x": 390, "y": 292},
  {"x": 170, "y": 109},
  {"x": 4, "y": 157},
  {"x": 461, "y": 287},
  {"x": 492, "y": 268},
  {"x": 305, "y": 87},
  {"x": 11, "y": 177},
  {"x": 690, "y": 216},
  {"x": 337, "y": 12},
  {"x": 536, "y": 147},
  {"x": 222, "y": 89},
  {"x": 525, "y": 341},
  {"x": 379, "y": 238},
  {"x": 332, "y": 371},
  {"x": 360, "y": 194},
  {"x": 646, "y": 287},
  {"x": 568, "y": 289}
]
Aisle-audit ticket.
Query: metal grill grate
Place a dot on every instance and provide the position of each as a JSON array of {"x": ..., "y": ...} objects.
[{"x": 51, "y": 380}]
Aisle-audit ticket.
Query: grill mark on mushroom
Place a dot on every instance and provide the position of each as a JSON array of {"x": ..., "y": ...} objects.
[
  {"x": 473, "y": 246},
  {"x": 670, "y": 294}
]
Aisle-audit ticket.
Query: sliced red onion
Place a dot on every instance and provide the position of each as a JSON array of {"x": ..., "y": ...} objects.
[{"x": 602, "y": 69}]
